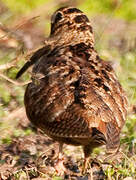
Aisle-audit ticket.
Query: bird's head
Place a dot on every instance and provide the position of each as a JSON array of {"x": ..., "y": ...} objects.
[{"x": 71, "y": 24}]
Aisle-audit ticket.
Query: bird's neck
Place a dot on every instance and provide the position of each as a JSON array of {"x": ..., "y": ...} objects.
[{"x": 71, "y": 38}]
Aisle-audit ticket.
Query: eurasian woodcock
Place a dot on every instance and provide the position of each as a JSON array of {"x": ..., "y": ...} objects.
[{"x": 74, "y": 96}]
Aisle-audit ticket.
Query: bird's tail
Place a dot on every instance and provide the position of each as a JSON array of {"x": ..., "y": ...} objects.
[{"x": 113, "y": 138}]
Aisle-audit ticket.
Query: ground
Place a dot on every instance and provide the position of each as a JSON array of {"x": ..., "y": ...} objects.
[{"x": 27, "y": 153}]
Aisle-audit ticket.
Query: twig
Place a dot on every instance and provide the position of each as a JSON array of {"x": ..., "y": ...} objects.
[
  {"x": 7, "y": 65},
  {"x": 14, "y": 82},
  {"x": 27, "y": 174},
  {"x": 32, "y": 16},
  {"x": 19, "y": 112},
  {"x": 108, "y": 22},
  {"x": 8, "y": 32}
]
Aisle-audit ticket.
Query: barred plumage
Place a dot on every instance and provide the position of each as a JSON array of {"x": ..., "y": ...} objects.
[{"x": 74, "y": 96}]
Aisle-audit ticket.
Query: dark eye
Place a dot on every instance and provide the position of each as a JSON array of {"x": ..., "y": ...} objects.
[{"x": 58, "y": 17}]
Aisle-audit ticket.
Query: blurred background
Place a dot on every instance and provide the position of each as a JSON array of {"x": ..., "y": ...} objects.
[{"x": 24, "y": 26}]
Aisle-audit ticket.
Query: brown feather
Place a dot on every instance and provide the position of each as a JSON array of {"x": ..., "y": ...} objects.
[{"x": 77, "y": 99}]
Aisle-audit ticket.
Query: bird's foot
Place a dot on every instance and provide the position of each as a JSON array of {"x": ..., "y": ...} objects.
[
  {"x": 85, "y": 166},
  {"x": 92, "y": 169},
  {"x": 60, "y": 167}
]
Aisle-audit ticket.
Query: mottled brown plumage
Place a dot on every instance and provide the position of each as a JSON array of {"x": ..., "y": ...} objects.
[{"x": 74, "y": 96}]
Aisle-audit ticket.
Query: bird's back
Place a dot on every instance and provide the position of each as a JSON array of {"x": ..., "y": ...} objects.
[{"x": 75, "y": 97}]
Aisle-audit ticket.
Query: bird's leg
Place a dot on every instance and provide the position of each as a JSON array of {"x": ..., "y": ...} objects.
[
  {"x": 59, "y": 166},
  {"x": 87, "y": 150},
  {"x": 59, "y": 154},
  {"x": 60, "y": 150}
]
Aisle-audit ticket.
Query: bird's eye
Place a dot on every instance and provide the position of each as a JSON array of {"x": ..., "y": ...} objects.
[{"x": 57, "y": 18}]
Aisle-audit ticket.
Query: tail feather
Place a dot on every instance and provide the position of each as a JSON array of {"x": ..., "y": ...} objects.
[{"x": 113, "y": 137}]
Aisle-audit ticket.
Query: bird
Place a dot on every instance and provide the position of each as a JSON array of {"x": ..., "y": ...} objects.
[{"x": 74, "y": 96}]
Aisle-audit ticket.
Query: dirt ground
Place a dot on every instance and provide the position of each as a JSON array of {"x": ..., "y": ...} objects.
[{"x": 28, "y": 154}]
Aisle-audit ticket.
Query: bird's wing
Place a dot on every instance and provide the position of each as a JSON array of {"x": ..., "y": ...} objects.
[
  {"x": 72, "y": 99},
  {"x": 105, "y": 100},
  {"x": 50, "y": 104}
]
